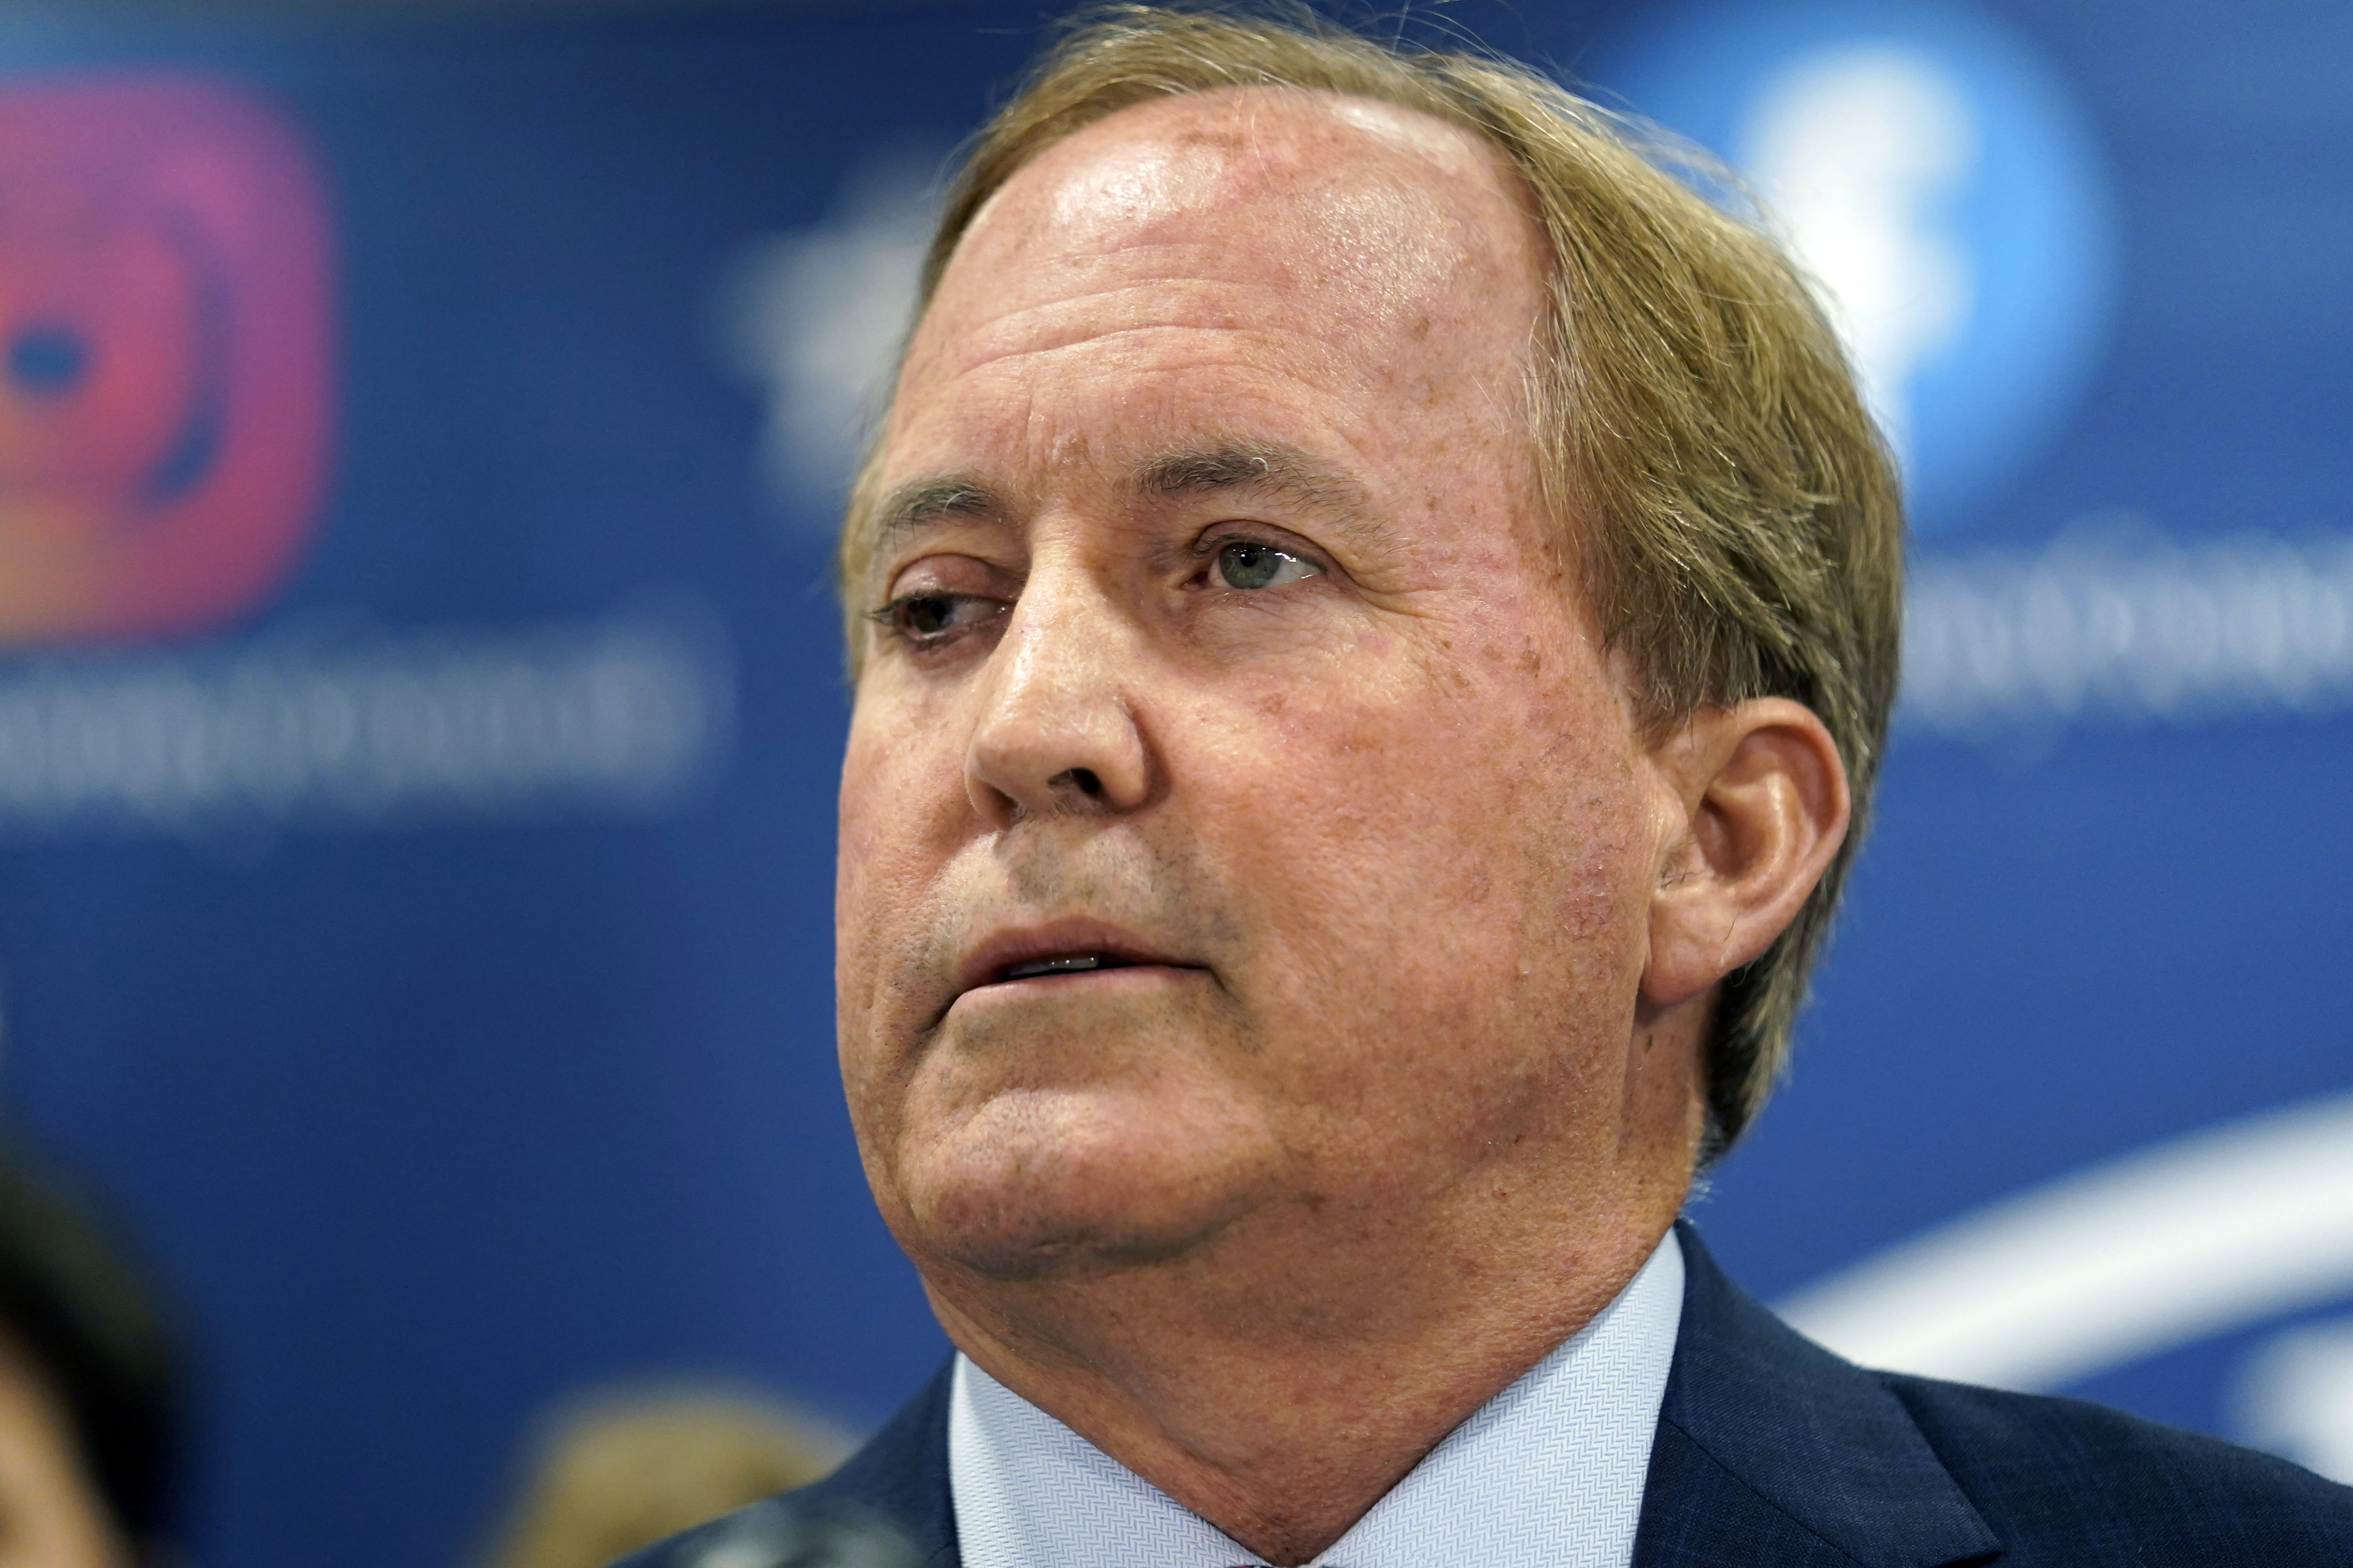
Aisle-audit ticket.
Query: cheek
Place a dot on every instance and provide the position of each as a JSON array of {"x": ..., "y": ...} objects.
[
  {"x": 900, "y": 804},
  {"x": 902, "y": 798},
  {"x": 864, "y": 808},
  {"x": 1446, "y": 873}
]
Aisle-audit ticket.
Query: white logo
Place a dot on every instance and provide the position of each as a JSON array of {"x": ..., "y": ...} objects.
[
  {"x": 1935, "y": 179},
  {"x": 816, "y": 317},
  {"x": 2222, "y": 1228},
  {"x": 1859, "y": 150}
]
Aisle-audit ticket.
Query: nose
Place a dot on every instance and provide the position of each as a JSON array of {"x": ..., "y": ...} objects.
[{"x": 1057, "y": 731}]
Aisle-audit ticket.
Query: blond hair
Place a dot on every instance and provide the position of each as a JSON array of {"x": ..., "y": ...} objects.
[{"x": 1697, "y": 428}]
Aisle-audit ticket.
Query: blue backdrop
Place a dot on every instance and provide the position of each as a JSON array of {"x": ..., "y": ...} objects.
[{"x": 422, "y": 931}]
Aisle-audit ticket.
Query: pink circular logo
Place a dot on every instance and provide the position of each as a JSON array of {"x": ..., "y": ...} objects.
[{"x": 165, "y": 384}]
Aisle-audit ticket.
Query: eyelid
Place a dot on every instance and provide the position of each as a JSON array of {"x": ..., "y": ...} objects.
[
  {"x": 1210, "y": 540},
  {"x": 995, "y": 580}
]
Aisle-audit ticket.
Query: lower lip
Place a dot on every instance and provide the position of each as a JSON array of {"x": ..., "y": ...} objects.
[{"x": 1032, "y": 986}]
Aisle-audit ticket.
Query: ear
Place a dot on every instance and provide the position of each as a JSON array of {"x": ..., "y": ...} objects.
[{"x": 1760, "y": 806}]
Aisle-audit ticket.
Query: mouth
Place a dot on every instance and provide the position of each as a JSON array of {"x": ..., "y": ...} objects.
[
  {"x": 1063, "y": 964},
  {"x": 1063, "y": 951}
]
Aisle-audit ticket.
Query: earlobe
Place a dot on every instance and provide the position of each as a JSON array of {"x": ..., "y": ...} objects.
[{"x": 1761, "y": 807}]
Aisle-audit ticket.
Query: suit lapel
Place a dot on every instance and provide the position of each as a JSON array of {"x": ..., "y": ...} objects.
[
  {"x": 901, "y": 1478},
  {"x": 1770, "y": 1450}
]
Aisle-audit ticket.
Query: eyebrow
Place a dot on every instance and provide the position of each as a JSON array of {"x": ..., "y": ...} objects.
[
  {"x": 1210, "y": 469},
  {"x": 926, "y": 501},
  {"x": 1288, "y": 473}
]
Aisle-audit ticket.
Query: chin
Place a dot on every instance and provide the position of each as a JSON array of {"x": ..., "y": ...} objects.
[{"x": 1038, "y": 1186}]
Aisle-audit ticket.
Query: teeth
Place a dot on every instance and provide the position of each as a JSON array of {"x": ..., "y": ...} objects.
[{"x": 1060, "y": 963}]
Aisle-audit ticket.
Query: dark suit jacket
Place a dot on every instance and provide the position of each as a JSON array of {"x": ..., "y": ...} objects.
[{"x": 1770, "y": 1451}]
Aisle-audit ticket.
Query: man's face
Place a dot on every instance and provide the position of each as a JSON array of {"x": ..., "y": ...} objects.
[{"x": 1242, "y": 831}]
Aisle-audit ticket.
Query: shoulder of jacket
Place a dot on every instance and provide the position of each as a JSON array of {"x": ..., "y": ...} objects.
[{"x": 2037, "y": 1460}]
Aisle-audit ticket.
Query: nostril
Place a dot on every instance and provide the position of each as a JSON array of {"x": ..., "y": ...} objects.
[{"x": 1083, "y": 780}]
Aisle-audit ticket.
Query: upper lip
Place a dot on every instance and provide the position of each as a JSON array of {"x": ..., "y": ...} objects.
[{"x": 1002, "y": 949}]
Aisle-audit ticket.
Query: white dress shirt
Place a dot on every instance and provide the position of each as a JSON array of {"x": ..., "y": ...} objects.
[{"x": 1547, "y": 1474}]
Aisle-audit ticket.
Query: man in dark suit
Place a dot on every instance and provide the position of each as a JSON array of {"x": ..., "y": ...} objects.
[{"x": 1374, "y": 611}]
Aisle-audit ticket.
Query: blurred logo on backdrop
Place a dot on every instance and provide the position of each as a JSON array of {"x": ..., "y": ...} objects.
[
  {"x": 1937, "y": 180},
  {"x": 329, "y": 720},
  {"x": 164, "y": 377},
  {"x": 166, "y": 398},
  {"x": 814, "y": 317},
  {"x": 2242, "y": 1227}
]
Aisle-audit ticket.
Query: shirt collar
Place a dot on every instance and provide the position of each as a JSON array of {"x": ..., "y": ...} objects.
[{"x": 1547, "y": 1474}]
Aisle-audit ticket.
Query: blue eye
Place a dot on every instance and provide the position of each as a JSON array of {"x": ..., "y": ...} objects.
[{"x": 1243, "y": 565}]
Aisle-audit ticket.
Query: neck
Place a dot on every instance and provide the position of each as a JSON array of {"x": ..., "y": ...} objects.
[{"x": 1278, "y": 1388}]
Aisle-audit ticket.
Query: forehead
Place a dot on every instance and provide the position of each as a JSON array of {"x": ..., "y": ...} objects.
[
  {"x": 1327, "y": 172},
  {"x": 1283, "y": 240}
]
